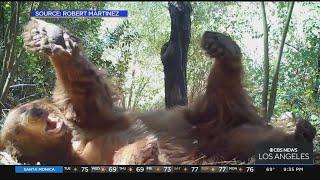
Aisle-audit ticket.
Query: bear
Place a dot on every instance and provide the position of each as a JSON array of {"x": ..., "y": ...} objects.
[{"x": 80, "y": 123}]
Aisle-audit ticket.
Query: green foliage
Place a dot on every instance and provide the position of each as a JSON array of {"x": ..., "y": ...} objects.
[
  {"x": 36, "y": 70},
  {"x": 120, "y": 40},
  {"x": 129, "y": 49}
]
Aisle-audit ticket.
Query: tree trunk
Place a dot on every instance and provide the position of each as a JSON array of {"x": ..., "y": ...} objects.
[
  {"x": 2, "y": 31},
  {"x": 131, "y": 89},
  {"x": 316, "y": 91},
  {"x": 10, "y": 54},
  {"x": 174, "y": 54},
  {"x": 2, "y": 27},
  {"x": 265, "y": 63},
  {"x": 274, "y": 85}
]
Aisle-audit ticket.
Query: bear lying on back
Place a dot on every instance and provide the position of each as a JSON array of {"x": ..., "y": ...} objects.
[{"x": 222, "y": 125}]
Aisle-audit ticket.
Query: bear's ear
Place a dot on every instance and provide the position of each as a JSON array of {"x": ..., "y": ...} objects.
[
  {"x": 3, "y": 145},
  {"x": 1, "y": 141}
]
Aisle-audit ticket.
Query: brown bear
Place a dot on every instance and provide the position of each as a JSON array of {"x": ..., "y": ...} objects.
[{"x": 80, "y": 124}]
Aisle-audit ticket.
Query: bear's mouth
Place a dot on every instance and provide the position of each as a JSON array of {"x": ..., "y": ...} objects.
[{"x": 53, "y": 124}]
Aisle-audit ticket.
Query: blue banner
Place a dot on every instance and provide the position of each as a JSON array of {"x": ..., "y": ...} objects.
[
  {"x": 79, "y": 13},
  {"x": 39, "y": 169}
]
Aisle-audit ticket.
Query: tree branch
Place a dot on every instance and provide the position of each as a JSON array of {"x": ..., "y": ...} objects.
[{"x": 274, "y": 86}]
